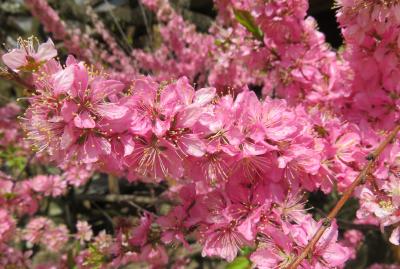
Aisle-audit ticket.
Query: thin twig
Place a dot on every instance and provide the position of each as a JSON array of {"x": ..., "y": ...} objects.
[
  {"x": 347, "y": 194},
  {"x": 116, "y": 198},
  {"x": 5, "y": 98},
  {"x": 18, "y": 177},
  {"x": 146, "y": 23},
  {"x": 13, "y": 76},
  {"x": 349, "y": 224},
  {"x": 119, "y": 26},
  {"x": 108, "y": 217},
  {"x": 138, "y": 207}
]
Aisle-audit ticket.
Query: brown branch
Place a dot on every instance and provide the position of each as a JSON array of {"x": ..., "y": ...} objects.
[
  {"x": 115, "y": 198},
  {"x": 113, "y": 184},
  {"x": 346, "y": 195},
  {"x": 10, "y": 75},
  {"x": 140, "y": 208}
]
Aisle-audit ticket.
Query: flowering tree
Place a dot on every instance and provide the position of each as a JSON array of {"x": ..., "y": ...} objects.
[{"x": 162, "y": 156}]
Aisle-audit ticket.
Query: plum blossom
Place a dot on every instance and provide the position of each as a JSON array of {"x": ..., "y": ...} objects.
[
  {"x": 84, "y": 233},
  {"x": 27, "y": 57},
  {"x": 231, "y": 168}
]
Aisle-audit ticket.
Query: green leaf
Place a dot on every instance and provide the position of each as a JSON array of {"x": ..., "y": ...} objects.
[
  {"x": 246, "y": 19},
  {"x": 245, "y": 251},
  {"x": 240, "y": 262},
  {"x": 95, "y": 258}
]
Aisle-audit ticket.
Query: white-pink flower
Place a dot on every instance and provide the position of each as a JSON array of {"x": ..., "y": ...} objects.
[{"x": 26, "y": 57}]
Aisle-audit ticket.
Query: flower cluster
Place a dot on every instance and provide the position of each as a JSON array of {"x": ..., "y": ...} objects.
[
  {"x": 183, "y": 52},
  {"x": 19, "y": 199},
  {"x": 9, "y": 128},
  {"x": 225, "y": 144},
  {"x": 237, "y": 168},
  {"x": 372, "y": 45},
  {"x": 169, "y": 130}
]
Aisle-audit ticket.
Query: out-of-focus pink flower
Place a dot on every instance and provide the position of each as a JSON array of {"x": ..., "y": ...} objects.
[
  {"x": 36, "y": 228},
  {"x": 352, "y": 240},
  {"x": 7, "y": 225},
  {"x": 140, "y": 233},
  {"x": 173, "y": 226},
  {"x": 55, "y": 238},
  {"x": 154, "y": 254},
  {"x": 48, "y": 185},
  {"x": 84, "y": 233},
  {"x": 395, "y": 236}
]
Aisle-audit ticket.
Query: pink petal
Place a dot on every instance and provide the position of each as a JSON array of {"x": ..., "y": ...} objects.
[
  {"x": 111, "y": 111},
  {"x": 129, "y": 144},
  {"x": 335, "y": 254},
  {"x": 46, "y": 51},
  {"x": 15, "y": 59},
  {"x": 189, "y": 116},
  {"x": 252, "y": 149},
  {"x": 204, "y": 96},
  {"x": 71, "y": 60},
  {"x": 265, "y": 258},
  {"x": 63, "y": 80},
  {"x": 68, "y": 110},
  {"x": 160, "y": 127},
  {"x": 184, "y": 90},
  {"x": 104, "y": 88},
  {"x": 84, "y": 120},
  {"x": 68, "y": 138},
  {"x": 395, "y": 236},
  {"x": 94, "y": 147},
  {"x": 192, "y": 145},
  {"x": 81, "y": 80}
]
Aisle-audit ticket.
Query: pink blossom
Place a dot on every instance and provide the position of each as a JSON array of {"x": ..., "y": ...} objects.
[
  {"x": 35, "y": 229},
  {"x": 27, "y": 57},
  {"x": 84, "y": 232},
  {"x": 327, "y": 250},
  {"x": 353, "y": 240},
  {"x": 173, "y": 226},
  {"x": 276, "y": 253},
  {"x": 234, "y": 167},
  {"x": 55, "y": 238},
  {"x": 7, "y": 225},
  {"x": 51, "y": 185},
  {"x": 139, "y": 234},
  {"x": 395, "y": 236},
  {"x": 154, "y": 254},
  {"x": 154, "y": 158},
  {"x": 223, "y": 240}
]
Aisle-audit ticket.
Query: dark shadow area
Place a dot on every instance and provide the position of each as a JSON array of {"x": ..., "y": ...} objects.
[{"x": 323, "y": 12}]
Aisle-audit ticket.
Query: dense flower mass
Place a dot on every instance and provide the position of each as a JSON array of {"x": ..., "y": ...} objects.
[
  {"x": 235, "y": 169},
  {"x": 370, "y": 31}
]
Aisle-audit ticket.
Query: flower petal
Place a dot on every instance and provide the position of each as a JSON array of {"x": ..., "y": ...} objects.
[
  {"x": 204, "y": 96},
  {"x": 63, "y": 80},
  {"x": 14, "y": 59},
  {"x": 84, "y": 120},
  {"x": 46, "y": 51},
  {"x": 111, "y": 111}
]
